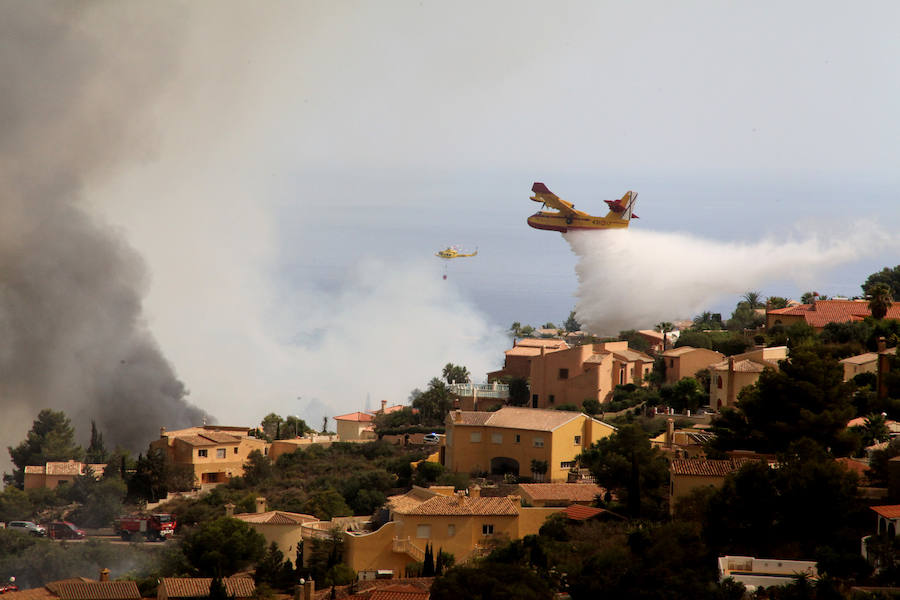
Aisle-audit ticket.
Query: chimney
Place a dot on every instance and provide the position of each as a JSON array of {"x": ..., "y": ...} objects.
[
  {"x": 104, "y": 574},
  {"x": 670, "y": 432},
  {"x": 162, "y": 432},
  {"x": 229, "y": 509},
  {"x": 882, "y": 343},
  {"x": 731, "y": 396},
  {"x": 474, "y": 491},
  {"x": 457, "y": 416},
  {"x": 461, "y": 497},
  {"x": 383, "y": 405},
  {"x": 260, "y": 504}
]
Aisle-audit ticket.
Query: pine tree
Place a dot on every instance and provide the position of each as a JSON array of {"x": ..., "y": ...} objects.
[
  {"x": 96, "y": 452},
  {"x": 439, "y": 563}
]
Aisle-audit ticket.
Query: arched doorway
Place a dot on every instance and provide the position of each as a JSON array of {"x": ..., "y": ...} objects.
[{"x": 501, "y": 465}]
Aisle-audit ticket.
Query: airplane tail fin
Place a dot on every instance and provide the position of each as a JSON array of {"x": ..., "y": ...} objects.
[{"x": 622, "y": 208}]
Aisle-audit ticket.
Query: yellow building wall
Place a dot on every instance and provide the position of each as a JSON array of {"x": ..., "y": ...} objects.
[
  {"x": 373, "y": 551},
  {"x": 466, "y": 456},
  {"x": 687, "y": 365},
  {"x": 682, "y": 485},
  {"x": 718, "y": 397},
  {"x": 286, "y": 536}
]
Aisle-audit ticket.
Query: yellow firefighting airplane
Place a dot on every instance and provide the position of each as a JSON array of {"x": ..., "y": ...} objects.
[
  {"x": 453, "y": 252},
  {"x": 567, "y": 217}
]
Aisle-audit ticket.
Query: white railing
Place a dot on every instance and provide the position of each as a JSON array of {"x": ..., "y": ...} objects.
[
  {"x": 480, "y": 390},
  {"x": 405, "y": 546}
]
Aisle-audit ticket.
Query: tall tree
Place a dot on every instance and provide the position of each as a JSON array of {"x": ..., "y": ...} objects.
[
  {"x": 271, "y": 425},
  {"x": 664, "y": 328},
  {"x": 572, "y": 323},
  {"x": 455, "y": 373},
  {"x": 96, "y": 452},
  {"x": 434, "y": 403},
  {"x": 753, "y": 299},
  {"x": 223, "y": 547},
  {"x": 773, "y": 302},
  {"x": 880, "y": 297},
  {"x": 889, "y": 277},
  {"x": 52, "y": 438}
]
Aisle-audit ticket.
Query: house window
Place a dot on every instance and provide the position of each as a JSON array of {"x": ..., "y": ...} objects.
[
  {"x": 423, "y": 531},
  {"x": 538, "y": 442},
  {"x": 632, "y": 372},
  {"x": 487, "y": 529},
  {"x": 534, "y": 400},
  {"x": 621, "y": 376},
  {"x": 563, "y": 373},
  {"x": 672, "y": 363},
  {"x": 552, "y": 398},
  {"x": 719, "y": 381},
  {"x": 497, "y": 438},
  {"x": 203, "y": 453},
  {"x": 567, "y": 464},
  {"x": 220, "y": 452},
  {"x": 518, "y": 438},
  {"x": 475, "y": 436},
  {"x": 451, "y": 530},
  {"x": 266, "y": 451},
  {"x": 577, "y": 440},
  {"x": 235, "y": 449}
]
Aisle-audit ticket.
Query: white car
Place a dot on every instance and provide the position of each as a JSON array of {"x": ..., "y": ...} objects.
[
  {"x": 432, "y": 438},
  {"x": 28, "y": 527}
]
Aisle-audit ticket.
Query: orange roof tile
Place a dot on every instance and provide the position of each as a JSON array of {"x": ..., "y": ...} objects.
[
  {"x": 577, "y": 512},
  {"x": 276, "y": 517},
  {"x": 456, "y": 505},
  {"x": 823, "y": 312},
  {"x": 573, "y": 492},
  {"x": 99, "y": 590},
  {"x": 514, "y": 417},
  {"x": 399, "y": 592},
  {"x": 740, "y": 366},
  {"x": 891, "y": 511},
  {"x": 358, "y": 417},
  {"x": 198, "y": 587},
  {"x": 702, "y": 467}
]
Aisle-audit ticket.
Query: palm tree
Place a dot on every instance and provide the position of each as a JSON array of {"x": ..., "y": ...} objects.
[
  {"x": 754, "y": 299},
  {"x": 879, "y": 299},
  {"x": 664, "y": 328}
]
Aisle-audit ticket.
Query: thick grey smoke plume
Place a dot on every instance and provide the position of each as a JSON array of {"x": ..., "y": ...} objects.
[
  {"x": 630, "y": 279},
  {"x": 76, "y": 86}
]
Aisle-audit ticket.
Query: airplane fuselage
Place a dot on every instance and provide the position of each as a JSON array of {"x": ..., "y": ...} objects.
[{"x": 553, "y": 221}]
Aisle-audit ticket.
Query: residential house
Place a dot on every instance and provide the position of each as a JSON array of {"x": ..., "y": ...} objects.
[
  {"x": 822, "y": 312},
  {"x": 190, "y": 588},
  {"x": 480, "y": 396},
  {"x": 53, "y": 474},
  {"x": 861, "y": 363},
  {"x": 80, "y": 588},
  {"x": 290, "y": 445},
  {"x": 765, "y": 572},
  {"x": 457, "y": 523},
  {"x": 730, "y": 376},
  {"x": 686, "y": 361},
  {"x": 518, "y": 359},
  {"x": 355, "y": 426},
  {"x": 282, "y": 527},
  {"x": 682, "y": 443},
  {"x": 508, "y": 440},
  {"x": 215, "y": 453},
  {"x": 588, "y": 371},
  {"x": 686, "y": 475},
  {"x": 559, "y": 494},
  {"x": 654, "y": 339}
]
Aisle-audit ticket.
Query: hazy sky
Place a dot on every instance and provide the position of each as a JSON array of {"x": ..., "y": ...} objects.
[{"x": 302, "y": 162}]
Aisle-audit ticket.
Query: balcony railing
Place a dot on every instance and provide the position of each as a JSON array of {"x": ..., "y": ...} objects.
[{"x": 480, "y": 390}]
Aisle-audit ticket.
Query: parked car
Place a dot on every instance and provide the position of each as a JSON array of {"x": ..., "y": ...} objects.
[
  {"x": 28, "y": 527},
  {"x": 63, "y": 530},
  {"x": 432, "y": 438}
]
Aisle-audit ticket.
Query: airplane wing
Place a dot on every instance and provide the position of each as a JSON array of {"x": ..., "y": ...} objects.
[{"x": 544, "y": 195}]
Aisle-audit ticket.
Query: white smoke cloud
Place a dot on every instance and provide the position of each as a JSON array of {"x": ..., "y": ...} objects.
[{"x": 633, "y": 278}]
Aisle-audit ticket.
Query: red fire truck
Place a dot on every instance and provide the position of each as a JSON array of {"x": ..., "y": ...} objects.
[{"x": 157, "y": 527}]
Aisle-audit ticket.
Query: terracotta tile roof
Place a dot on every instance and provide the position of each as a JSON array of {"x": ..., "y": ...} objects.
[
  {"x": 860, "y": 359},
  {"x": 823, "y": 312},
  {"x": 702, "y": 467},
  {"x": 461, "y": 505},
  {"x": 195, "y": 440},
  {"x": 631, "y": 356},
  {"x": 651, "y": 333},
  {"x": 276, "y": 517},
  {"x": 99, "y": 590},
  {"x": 40, "y": 593},
  {"x": 53, "y": 586},
  {"x": 857, "y": 466},
  {"x": 538, "y": 342},
  {"x": 676, "y": 352},
  {"x": 573, "y": 492},
  {"x": 358, "y": 417},
  {"x": 220, "y": 437},
  {"x": 577, "y": 512},
  {"x": 597, "y": 358},
  {"x": 198, "y": 587},
  {"x": 399, "y": 592},
  {"x": 513, "y": 417},
  {"x": 891, "y": 511},
  {"x": 740, "y": 366}
]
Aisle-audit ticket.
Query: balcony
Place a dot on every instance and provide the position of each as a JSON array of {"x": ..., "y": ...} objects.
[{"x": 480, "y": 390}]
